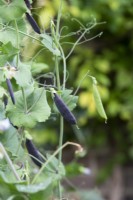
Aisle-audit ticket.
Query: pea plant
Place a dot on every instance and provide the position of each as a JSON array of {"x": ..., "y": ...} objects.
[{"x": 24, "y": 172}]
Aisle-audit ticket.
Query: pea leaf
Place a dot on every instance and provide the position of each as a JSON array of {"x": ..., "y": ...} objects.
[
  {"x": 23, "y": 75},
  {"x": 34, "y": 188},
  {"x": 8, "y": 31},
  {"x": 37, "y": 68},
  {"x": 13, "y": 10},
  {"x": 8, "y": 51},
  {"x": 38, "y": 109},
  {"x": 2, "y": 92},
  {"x": 53, "y": 166},
  {"x": 2, "y": 110},
  {"x": 11, "y": 142},
  {"x": 48, "y": 42}
]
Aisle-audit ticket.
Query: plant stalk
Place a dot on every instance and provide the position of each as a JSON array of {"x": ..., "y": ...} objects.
[
  {"x": 24, "y": 98},
  {"x": 9, "y": 162},
  {"x": 58, "y": 86},
  {"x": 53, "y": 155},
  {"x": 16, "y": 26}
]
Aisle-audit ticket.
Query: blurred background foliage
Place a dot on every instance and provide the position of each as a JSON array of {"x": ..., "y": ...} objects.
[{"x": 108, "y": 58}]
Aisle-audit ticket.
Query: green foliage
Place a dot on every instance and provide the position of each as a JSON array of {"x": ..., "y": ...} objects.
[
  {"x": 2, "y": 110},
  {"x": 109, "y": 59},
  {"x": 70, "y": 100},
  {"x": 23, "y": 75},
  {"x": 7, "y": 53},
  {"x": 12, "y": 11},
  {"x": 31, "y": 108},
  {"x": 37, "y": 109},
  {"x": 50, "y": 45},
  {"x": 8, "y": 31}
]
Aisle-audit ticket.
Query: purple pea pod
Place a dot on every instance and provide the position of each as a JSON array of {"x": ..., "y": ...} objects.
[
  {"x": 27, "y": 2},
  {"x": 10, "y": 89},
  {"x": 64, "y": 110},
  {"x": 5, "y": 100},
  {"x": 33, "y": 23},
  {"x": 33, "y": 152}
]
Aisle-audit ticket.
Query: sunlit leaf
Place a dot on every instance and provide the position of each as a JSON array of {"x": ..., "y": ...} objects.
[{"x": 23, "y": 75}]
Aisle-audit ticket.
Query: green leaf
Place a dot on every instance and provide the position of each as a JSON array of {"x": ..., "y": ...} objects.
[
  {"x": 2, "y": 110},
  {"x": 3, "y": 60},
  {"x": 11, "y": 142},
  {"x": 34, "y": 188},
  {"x": 53, "y": 166},
  {"x": 2, "y": 77},
  {"x": 8, "y": 32},
  {"x": 2, "y": 92},
  {"x": 37, "y": 68},
  {"x": 23, "y": 75},
  {"x": 13, "y": 10},
  {"x": 48, "y": 42},
  {"x": 69, "y": 100},
  {"x": 8, "y": 51},
  {"x": 38, "y": 109}
]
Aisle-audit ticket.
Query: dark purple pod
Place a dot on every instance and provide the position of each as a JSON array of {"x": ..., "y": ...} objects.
[
  {"x": 34, "y": 154},
  {"x": 33, "y": 23},
  {"x": 5, "y": 100},
  {"x": 10, "y": 89},
  {"x": 64, "y": 110},
  {"x": 27, "y": 2}
]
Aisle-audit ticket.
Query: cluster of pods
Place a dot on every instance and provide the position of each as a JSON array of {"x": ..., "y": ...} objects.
[{"x": 61, "y": 106}]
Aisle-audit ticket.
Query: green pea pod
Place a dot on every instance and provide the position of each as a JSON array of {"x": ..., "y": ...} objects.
[{"x": 98, "y": 102}]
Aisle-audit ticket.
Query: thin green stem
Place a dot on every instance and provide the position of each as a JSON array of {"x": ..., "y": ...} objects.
[
  {"x": 57, "y": 37},
  {"x": 57, "y": 72},
  {"x": 58, "y": 19},
  {"x": 86, "y": 74},
  {"x": 21, "y": 32},
  {"x": 56, "y": 40},
  {"x": 9, "y": 162},
  {"x": 61, "y": 137},
  {"x": 24, "y": 98},
  {"x": 16, "y": 26},
  {"x": 53, "y": 155},
  {"x": 82, "y": 35},
  {"x": 64, "y": 67}
]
